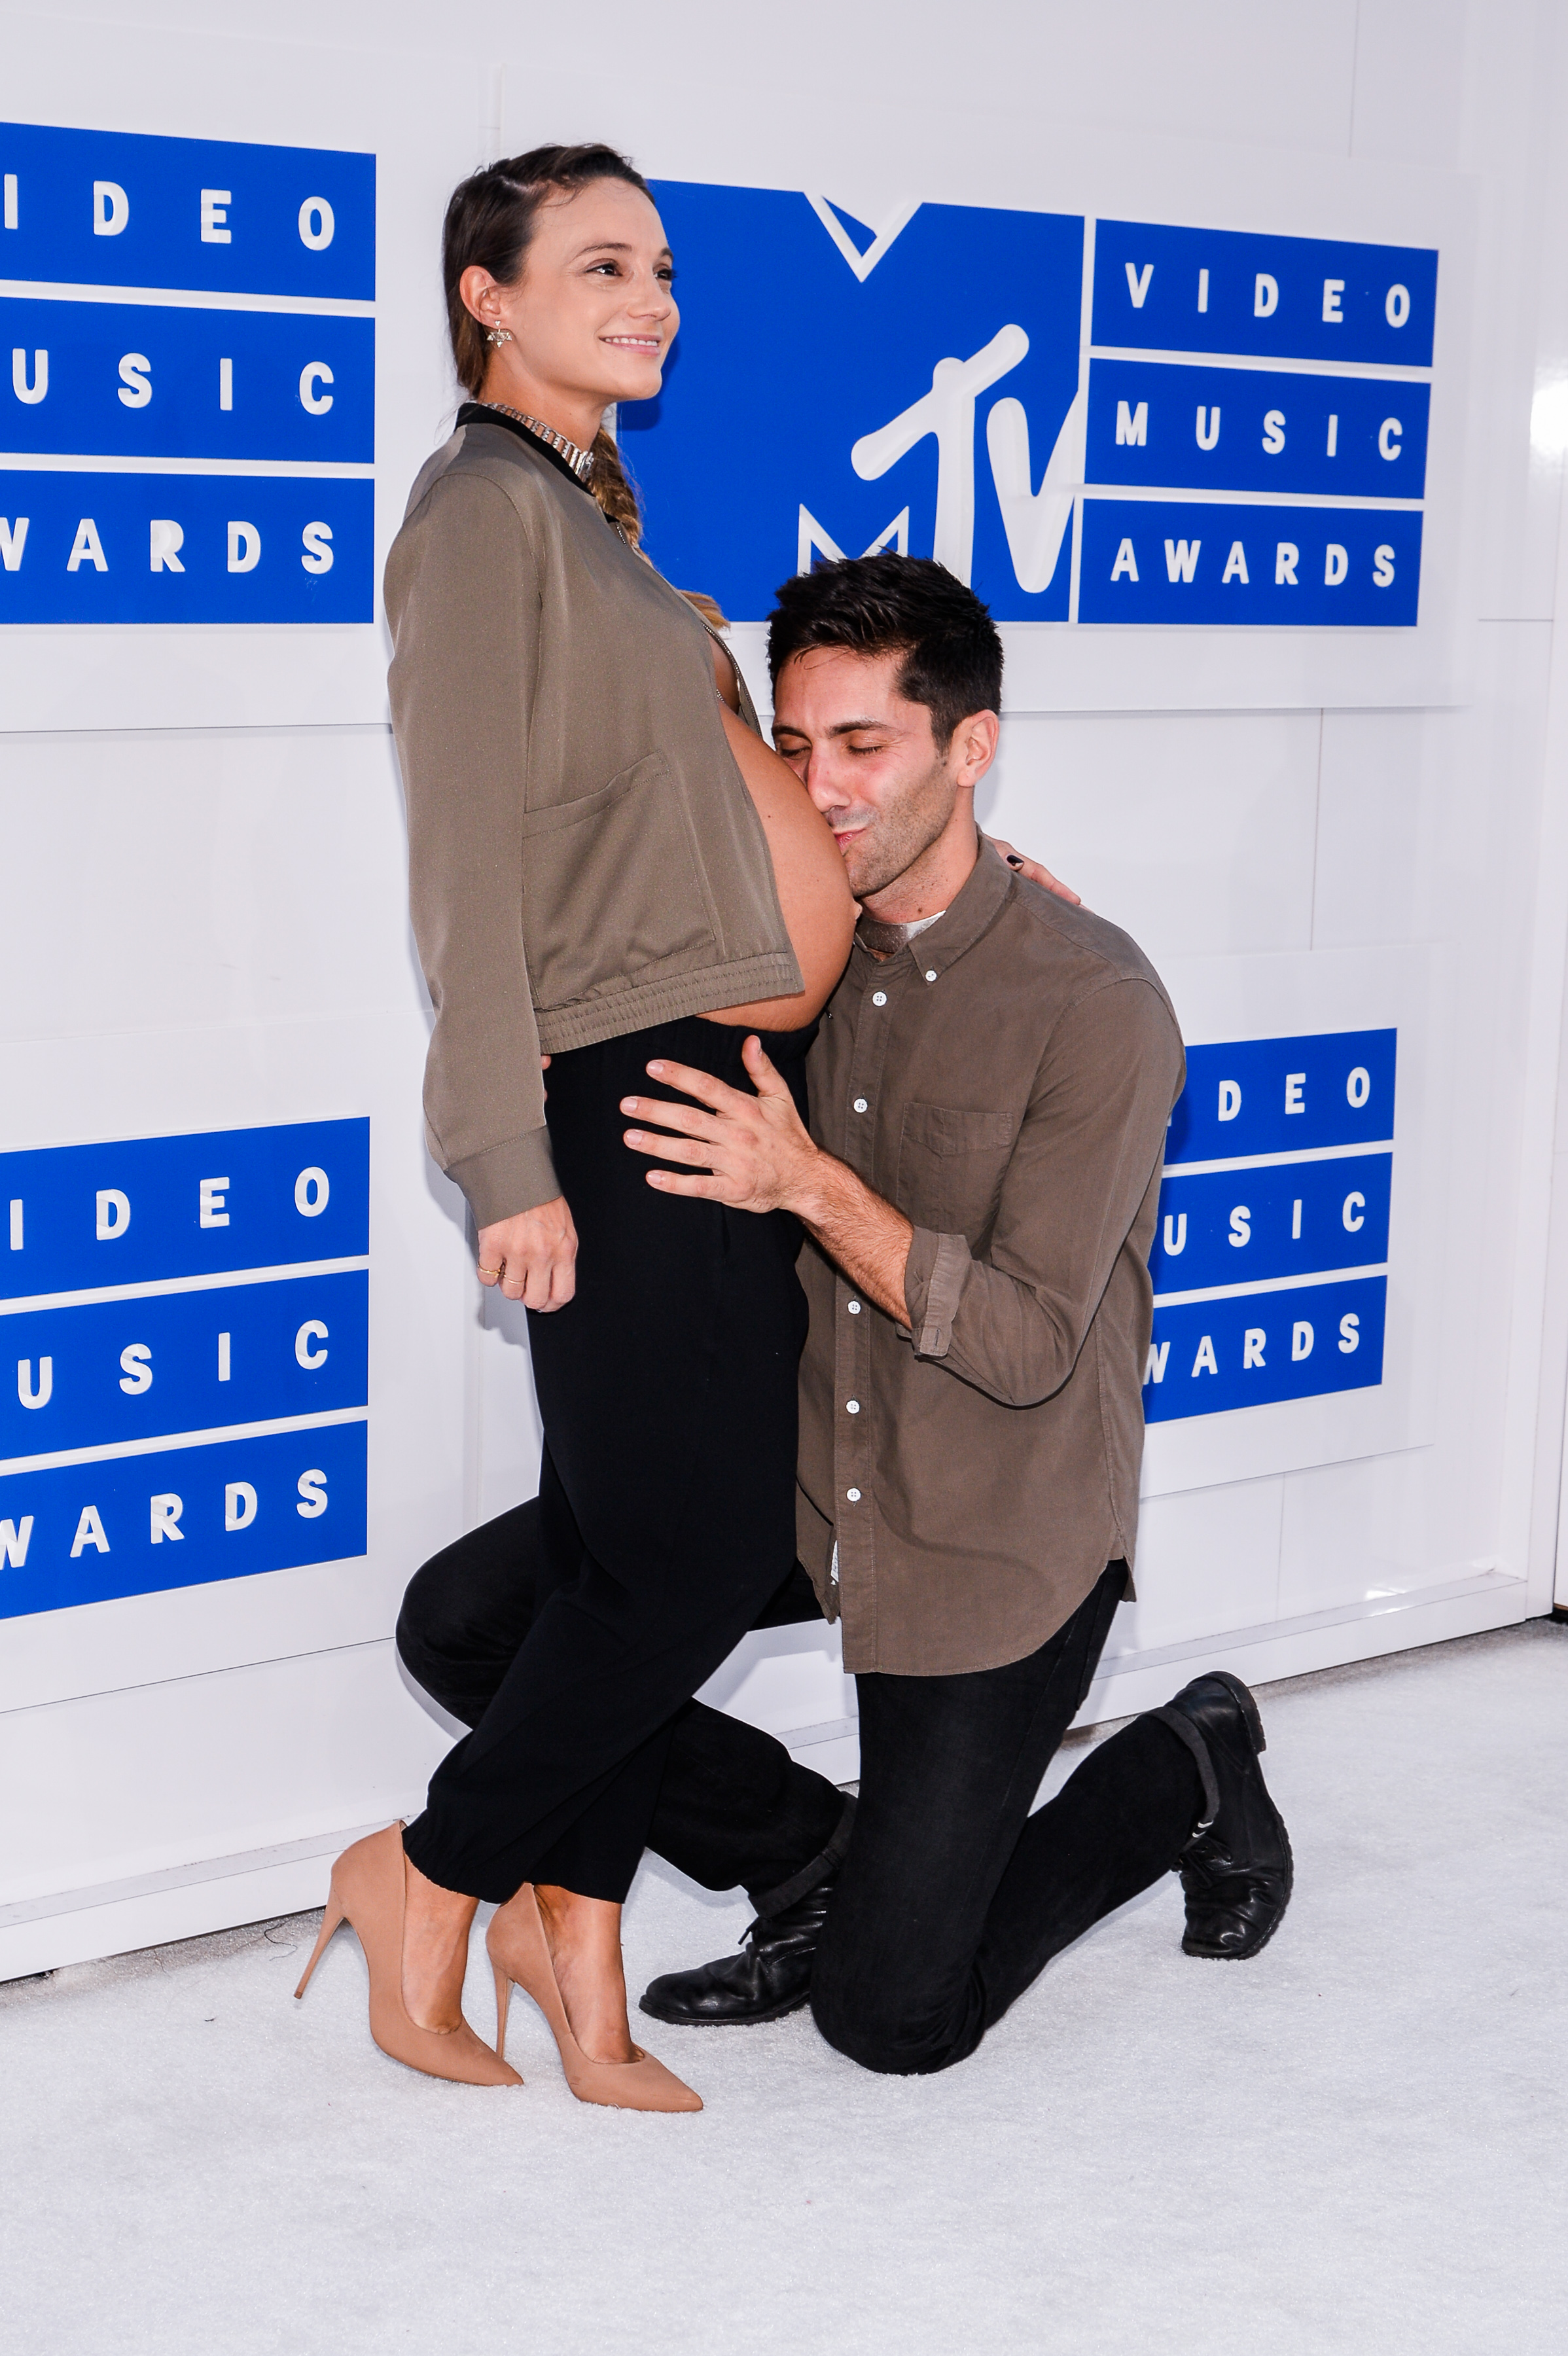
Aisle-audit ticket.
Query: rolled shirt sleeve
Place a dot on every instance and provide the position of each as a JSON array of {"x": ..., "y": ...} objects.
[{"x": 1011, "y": 1313}]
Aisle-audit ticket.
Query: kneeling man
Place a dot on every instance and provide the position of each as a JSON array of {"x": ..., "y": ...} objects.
[{"x": 989, "y": 1099}]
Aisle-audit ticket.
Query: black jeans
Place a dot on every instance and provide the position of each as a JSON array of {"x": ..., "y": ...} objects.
[
  {"x": 667, "y": 1388},
  {"x": 951, "y": 1897}
]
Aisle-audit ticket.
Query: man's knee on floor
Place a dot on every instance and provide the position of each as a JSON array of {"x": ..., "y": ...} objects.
[{"x": 881, "y": 2036}]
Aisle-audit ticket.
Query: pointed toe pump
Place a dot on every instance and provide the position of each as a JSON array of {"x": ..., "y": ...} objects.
[
  {"x": 369, "y": 1890},
  {"x": 519, "y": 1951}
]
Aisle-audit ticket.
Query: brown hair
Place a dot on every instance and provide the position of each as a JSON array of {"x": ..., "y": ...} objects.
[
  {"x": 907, "y": 606},
  {"x": 490, "y": 221}
]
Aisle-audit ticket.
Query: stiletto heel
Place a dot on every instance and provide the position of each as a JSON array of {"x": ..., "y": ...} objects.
[
  {"x": 503, "y": 2003},
  {"x": 330, "y": 1920},
  {"x": 519, "y": 1951},
  {"x": 370, "y": 1889}
]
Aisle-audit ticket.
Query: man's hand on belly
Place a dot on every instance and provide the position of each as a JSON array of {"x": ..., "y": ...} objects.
[{"x": 755, "y": 1154}]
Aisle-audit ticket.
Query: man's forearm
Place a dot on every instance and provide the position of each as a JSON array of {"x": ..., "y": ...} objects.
[{"x": 858, "y": 1230}]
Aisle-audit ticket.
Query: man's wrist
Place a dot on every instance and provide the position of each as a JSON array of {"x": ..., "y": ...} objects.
[{"x": 811, "y": 1193}]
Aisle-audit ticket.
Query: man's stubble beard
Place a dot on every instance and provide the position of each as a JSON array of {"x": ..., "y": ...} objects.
[{"x": 903, "y": 837}]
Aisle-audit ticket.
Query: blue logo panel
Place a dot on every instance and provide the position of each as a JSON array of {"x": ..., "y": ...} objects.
[
  {"x": 146, "y": 381},
  {"x": 1235, "y": 1226},
  {"x": 1208, "y": 1355},
  {"x": 180, "y": 1518},
  {"x": 167, "y": 379},
  {"x": 1204, "y": 290},
  {"x": 99, "y": 1372},
  {"x": 1284, "y": 1096},
  {"x": 925, "y": 397},
  {"x": 121, "y": 208},
  {"x": 185, "y": 548},
  {"x": 119, "y": 1331},
  {"x": 1163, "y": 560},
  {"x": 1251, "y": 430},
  {"x": 859, "y": 397},
  {"x": 133, "y": 1210},
  {"x": 1265, "y": 1111}
]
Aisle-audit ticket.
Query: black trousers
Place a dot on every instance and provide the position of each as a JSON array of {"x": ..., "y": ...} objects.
[
  {"x": 954, "y": 1896},
  {"x": 951, "y": 1897},
  {"x": 666, "y": 1511}
]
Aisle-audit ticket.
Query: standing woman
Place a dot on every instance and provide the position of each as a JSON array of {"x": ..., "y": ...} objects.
[{"x": 607, "y": 865}]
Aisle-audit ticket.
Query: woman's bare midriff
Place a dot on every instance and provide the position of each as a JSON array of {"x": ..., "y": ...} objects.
[{"x": 808, "y": 868}]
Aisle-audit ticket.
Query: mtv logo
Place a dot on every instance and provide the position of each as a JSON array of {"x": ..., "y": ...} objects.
[{"x": 837, "y": 387}]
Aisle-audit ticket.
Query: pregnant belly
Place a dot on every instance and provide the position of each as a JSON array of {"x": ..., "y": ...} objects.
[{"x": 808, "y": 869}]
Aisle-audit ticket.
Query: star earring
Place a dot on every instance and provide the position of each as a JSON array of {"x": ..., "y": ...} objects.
[{"x": 498, "y": 336}]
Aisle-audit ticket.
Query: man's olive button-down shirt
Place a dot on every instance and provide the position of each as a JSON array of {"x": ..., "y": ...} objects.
[{"x": 1004, "y": 1079}]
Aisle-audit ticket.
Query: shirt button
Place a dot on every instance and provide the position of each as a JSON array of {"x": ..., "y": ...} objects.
[
  {"x": 854, "y": 1496},
  {"x": 852, "y": 1407},
  {"x": 930, "y": 973},
  {"x": 860, "y": 1105},
  {"x": 854, "y": 1308},
  {"x": 879, "y": 998}
]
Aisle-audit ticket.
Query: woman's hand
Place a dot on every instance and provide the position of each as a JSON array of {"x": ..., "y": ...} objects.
[
  {"x": 1033, "y": 873},
  {"x": 532, "y": 1258}
]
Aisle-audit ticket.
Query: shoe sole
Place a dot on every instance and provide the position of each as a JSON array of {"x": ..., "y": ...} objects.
[{"x": 744, "y": 2020}]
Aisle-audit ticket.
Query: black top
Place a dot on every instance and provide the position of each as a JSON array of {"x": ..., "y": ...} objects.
[{"x": 479, "y": 413}]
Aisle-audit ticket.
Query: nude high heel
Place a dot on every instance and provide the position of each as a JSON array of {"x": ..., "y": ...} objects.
[
  {"x": 519, "y": 1951},
  {"x": 369, "y": 1890}
]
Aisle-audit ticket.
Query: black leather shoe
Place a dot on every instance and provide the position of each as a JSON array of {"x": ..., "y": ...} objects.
[
  {"x": 1236, "y": 1870},
  {"x": 770, "y": 1976}
]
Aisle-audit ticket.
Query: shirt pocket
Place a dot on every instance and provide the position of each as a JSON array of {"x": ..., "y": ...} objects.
[
  {"x": 612, "y": 889},
  {"x": 951, "y": 1163}
]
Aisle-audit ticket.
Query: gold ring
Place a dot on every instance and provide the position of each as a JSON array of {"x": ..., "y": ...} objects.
[{"x": 493, "y": 1271}]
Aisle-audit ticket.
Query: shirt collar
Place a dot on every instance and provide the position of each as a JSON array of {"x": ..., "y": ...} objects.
[
  {"x": 885, "y": 940},
  {"x": 972, "y": 909}
]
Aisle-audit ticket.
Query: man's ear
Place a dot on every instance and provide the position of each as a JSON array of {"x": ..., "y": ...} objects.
[{"x": 974, "y": 742}]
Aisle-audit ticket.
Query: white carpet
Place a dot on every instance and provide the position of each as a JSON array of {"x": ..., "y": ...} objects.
[{"x": 1354, "y": 2143}]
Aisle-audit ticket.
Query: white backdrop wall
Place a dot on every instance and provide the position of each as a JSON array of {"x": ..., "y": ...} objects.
[{"x": 204, "y": 926}]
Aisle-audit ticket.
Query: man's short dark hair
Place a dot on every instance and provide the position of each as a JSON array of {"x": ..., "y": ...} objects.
[{"x": 896, "y": 604}]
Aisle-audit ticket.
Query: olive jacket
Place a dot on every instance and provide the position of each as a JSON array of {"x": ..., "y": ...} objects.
[{"x": 584, "y": 859}]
